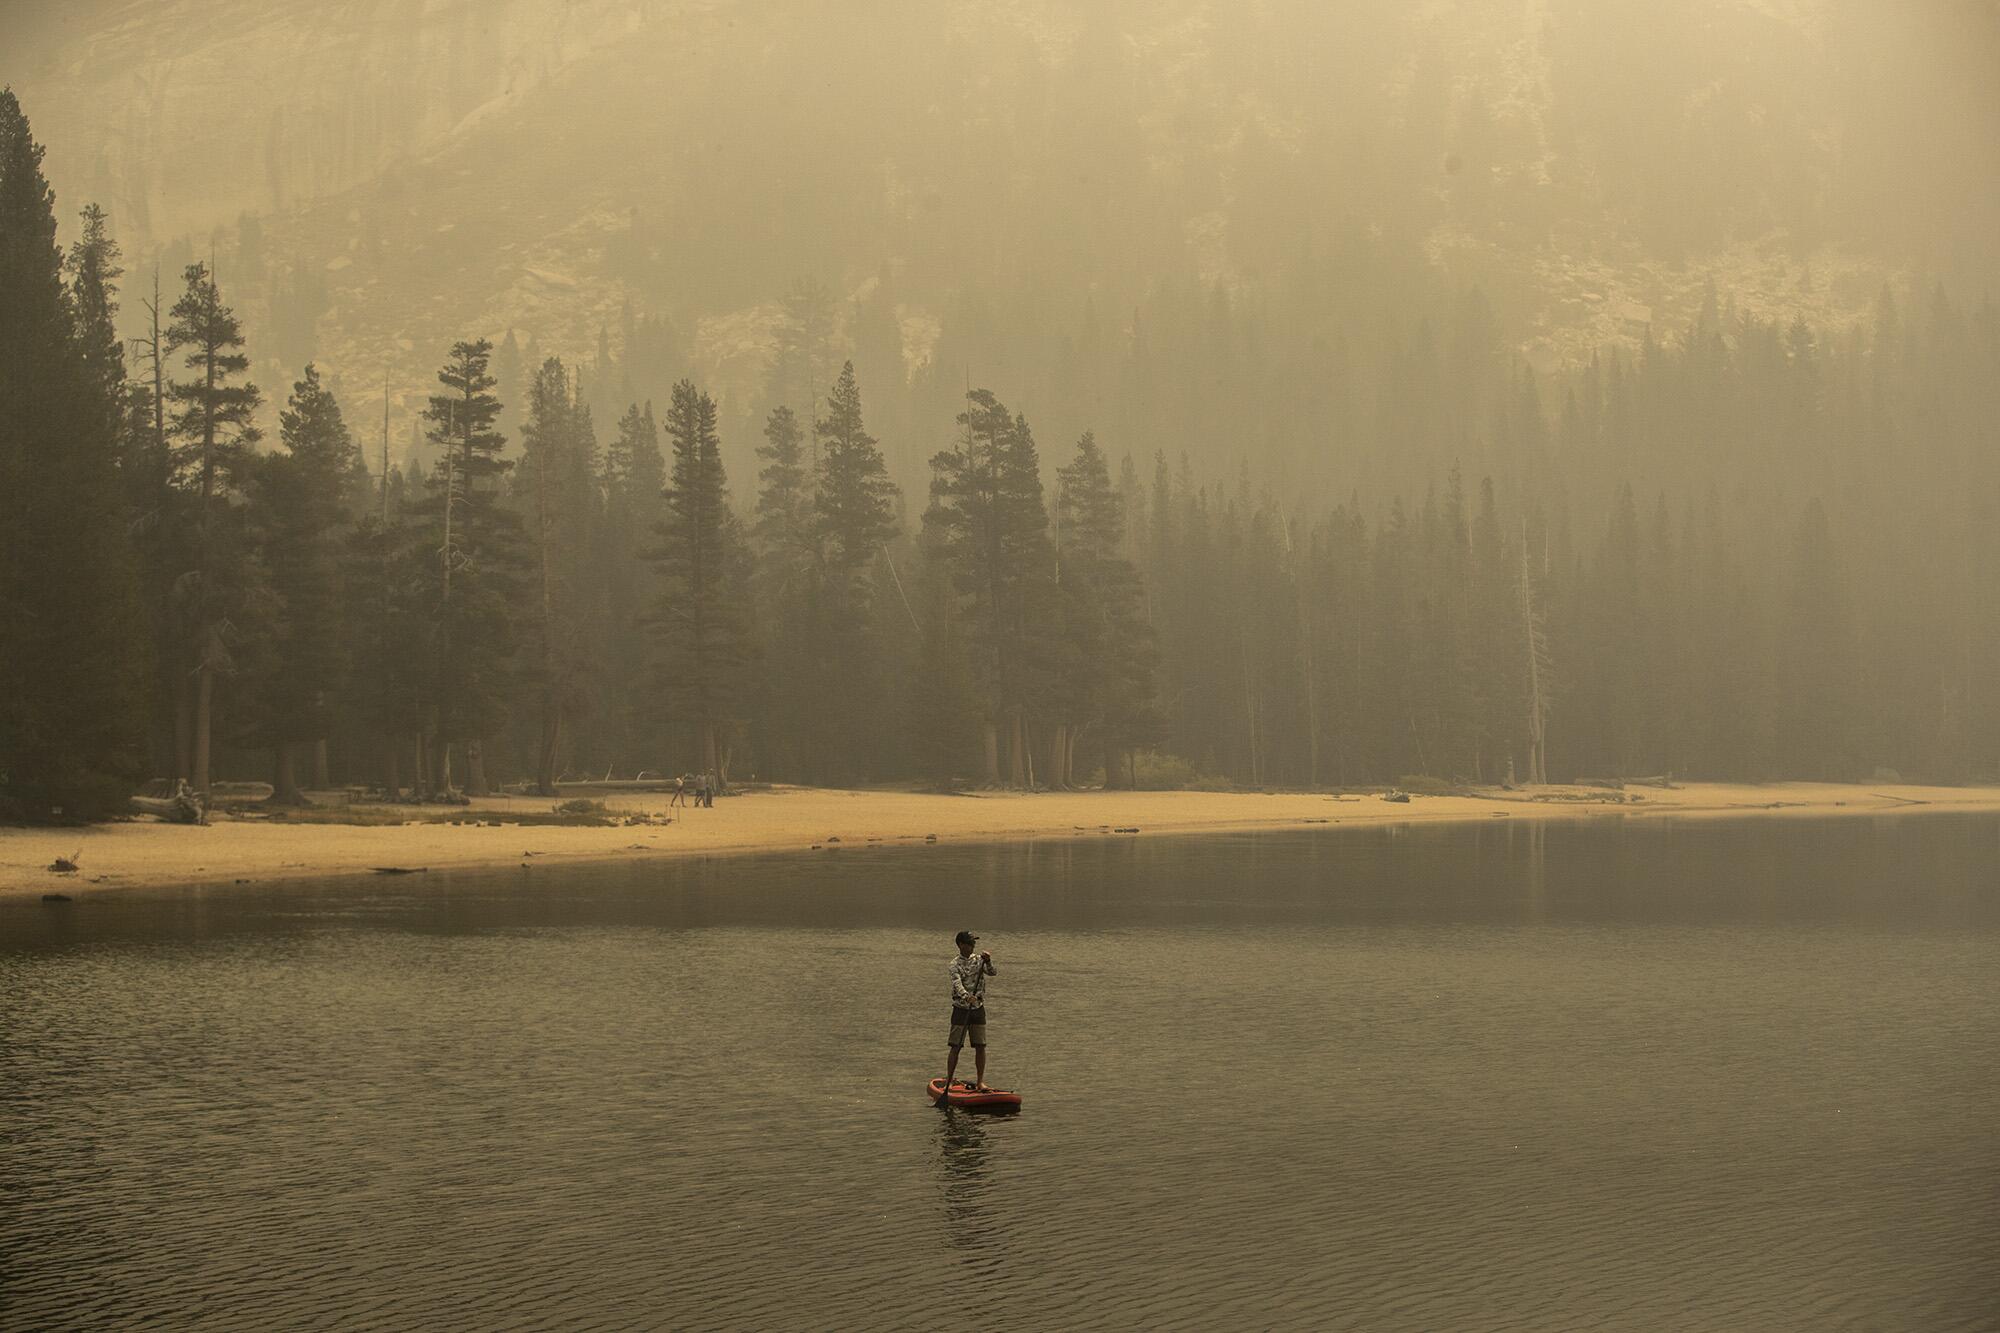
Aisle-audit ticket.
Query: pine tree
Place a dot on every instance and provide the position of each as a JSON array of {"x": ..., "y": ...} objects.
[
  {"x": 303, "y": 509},
  {"x": 469, "y": 557},
  {"x": 634, "y": 504},
  {"x": 71, "y": 647},
  {"x": 987, "y": 504},
  {"x": 558, "y": 486},
  {"x": 790, "y": 583},
  {"x": 706, "y": 643},
  {"x": 943, "y": 697},
  {"x": 213, "y": 434},
  {"x": 784, "y": 527},
  {"x": 853, "y": 500},
  {"x": 1107, "y": 655},
  {"x": 854, "y": 517},
  {"x": 94, "y": 274}
]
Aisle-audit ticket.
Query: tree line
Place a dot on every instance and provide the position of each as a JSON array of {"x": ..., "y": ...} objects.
[{"x": 185, "y": 599}]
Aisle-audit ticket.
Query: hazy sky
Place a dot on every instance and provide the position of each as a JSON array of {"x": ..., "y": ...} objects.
[{"x": 375, "y": 177}]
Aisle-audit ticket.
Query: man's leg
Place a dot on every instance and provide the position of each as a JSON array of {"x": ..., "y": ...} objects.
[
  {"x": 979, "y": 1060},
  {"x": 950, "y": 1068}
]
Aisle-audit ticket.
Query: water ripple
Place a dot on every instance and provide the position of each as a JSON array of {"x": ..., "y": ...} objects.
[{"x": 656, "y": 1108}]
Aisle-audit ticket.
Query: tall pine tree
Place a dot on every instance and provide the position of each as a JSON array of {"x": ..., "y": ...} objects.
[
  {"x": 212, "y": 427},
  {"x": 71, "y": 645},
  {"x": 854, "y": 505},
  {"x": 986, "y": 502},
  {"x": 557, "y": 484},
  {"x": 634, "y": 502},
  {"x": 469, "y": 556},
  {"x": 789, "y": 582},
  {"x": 702, "y": 621},
  {"x": 1106, "y": 646},
  {"x": 306, "y": 494}
]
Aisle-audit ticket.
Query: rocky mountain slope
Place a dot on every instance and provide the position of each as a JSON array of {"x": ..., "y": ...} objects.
[{"x": 376, "y": 177}]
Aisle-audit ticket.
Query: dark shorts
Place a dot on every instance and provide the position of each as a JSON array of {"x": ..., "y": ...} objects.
[{"x": 968, "y": 1023}]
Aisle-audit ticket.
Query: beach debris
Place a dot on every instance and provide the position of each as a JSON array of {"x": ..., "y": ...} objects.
[
  {"x": 1125, "y": 830},
  {"x": 66, "y": 865},
  {"x": 831, "y": 841},
  {"x": 815, "y": 847},
  {"x": 1398, "y": 797},
  {"x": 930, "y": 837},
  {"x": 399, "y": 870},
  {"x": 238, "y": 793},
  {"x": 171, "y": 799},
  {"x": 57, "y": 898}
]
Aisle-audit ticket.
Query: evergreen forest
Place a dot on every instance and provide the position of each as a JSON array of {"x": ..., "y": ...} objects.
[{"x": 1747, "y": 548}]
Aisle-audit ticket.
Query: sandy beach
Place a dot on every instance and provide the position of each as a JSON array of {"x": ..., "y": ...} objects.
[{"x": 801, "y": 819}]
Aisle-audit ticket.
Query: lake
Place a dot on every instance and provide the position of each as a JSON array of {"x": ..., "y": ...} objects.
[{"x": 1677, "y": 1074}]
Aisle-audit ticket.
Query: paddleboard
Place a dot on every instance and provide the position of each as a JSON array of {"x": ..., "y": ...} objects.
[{"x": 963, "y": 1095}]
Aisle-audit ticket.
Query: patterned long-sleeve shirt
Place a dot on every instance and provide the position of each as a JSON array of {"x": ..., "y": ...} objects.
[{"x": 968, "y": 980}]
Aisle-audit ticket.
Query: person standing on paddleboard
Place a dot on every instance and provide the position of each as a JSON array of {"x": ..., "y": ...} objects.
[{"x": 968, "y": 1005}]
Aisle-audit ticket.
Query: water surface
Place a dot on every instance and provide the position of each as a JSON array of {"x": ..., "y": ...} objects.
[{"x": 1692, "y": 1075}]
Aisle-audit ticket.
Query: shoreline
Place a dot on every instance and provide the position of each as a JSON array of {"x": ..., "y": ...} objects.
[{"x": 142, "y": 854}]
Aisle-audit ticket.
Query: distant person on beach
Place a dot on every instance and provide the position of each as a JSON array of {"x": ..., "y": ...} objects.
[
  {"x": 680, "y": 792},
  {"x": 968, "y": 974},
  {"x": 701, "y": 790}
]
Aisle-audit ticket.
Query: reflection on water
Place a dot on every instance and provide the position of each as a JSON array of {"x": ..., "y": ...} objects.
[
  {"x": 961, "y": 1141},
  {"x": 1700, "y": 1076}
]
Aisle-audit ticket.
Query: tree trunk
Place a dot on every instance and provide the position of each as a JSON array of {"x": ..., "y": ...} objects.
[
  {"x": 322, "y": 779},
  {"x": 420, "y": 768},
  {"x": 545, "y": 758},
  {"x": 1056, "y": 776},
  {"x": 393, "y": 789},
  {"x": 708, "y": 753},
  {"x": 1017, "y": 752},
  {"x": 204, "y": 697},
  {"x": 184, "y": 729},
  {"x": 285, "y": 782},
  {"x": 475, "y": 769},
  {"x": 989, "y": 738}
]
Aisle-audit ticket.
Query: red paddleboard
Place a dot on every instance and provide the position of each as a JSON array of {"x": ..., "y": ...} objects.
[{"x": 963, "y": 1095}]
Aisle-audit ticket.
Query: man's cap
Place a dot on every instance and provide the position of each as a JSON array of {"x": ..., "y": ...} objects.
[{"x": 967, "y": 937}]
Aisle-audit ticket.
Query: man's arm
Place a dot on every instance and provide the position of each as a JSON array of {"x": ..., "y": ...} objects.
[
  {"x": 959, "y": 994},
  {"x": 986, "y": 965}
]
